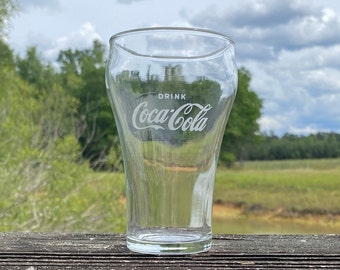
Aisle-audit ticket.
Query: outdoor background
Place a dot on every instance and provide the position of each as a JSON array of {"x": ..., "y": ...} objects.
[{"x": 60, "y": 159}]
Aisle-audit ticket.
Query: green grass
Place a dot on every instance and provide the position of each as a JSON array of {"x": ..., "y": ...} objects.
[
  {"x": 94, "y": 201},
  {"x": 313, "y": 164},
  {"x": 300, "y": 186},
  {"x": 91, "y": 203},
  {"x": 297, "y": 186}
]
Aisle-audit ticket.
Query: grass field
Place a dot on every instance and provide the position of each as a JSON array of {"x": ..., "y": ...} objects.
[
  {"x": 313, "y": 164},
  {"x": 291, "y": 186},
  {"x": 95, "y": 202}
]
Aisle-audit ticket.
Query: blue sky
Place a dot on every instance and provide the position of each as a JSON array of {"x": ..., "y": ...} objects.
[{"x": 291, "y": 47}]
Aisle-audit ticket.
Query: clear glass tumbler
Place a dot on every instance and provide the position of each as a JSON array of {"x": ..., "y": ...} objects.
[{"x": 171, "y": 91}]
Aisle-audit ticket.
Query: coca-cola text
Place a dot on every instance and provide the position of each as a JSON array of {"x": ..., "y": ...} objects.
[{"x": 144, "y": 117}]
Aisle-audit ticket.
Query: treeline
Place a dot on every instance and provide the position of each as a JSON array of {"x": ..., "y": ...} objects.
[
  {"x": 73, "y": 89},
  {"x": 50, "y": 120},
  {"x": 313, "y": 146},
  {"x": 73, "y": 95}
]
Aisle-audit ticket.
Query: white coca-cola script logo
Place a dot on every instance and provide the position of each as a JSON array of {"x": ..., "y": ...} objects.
[{"x": 179, "y": 119}]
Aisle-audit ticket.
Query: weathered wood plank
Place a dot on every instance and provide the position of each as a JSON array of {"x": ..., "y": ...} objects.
[{"x": 35, "y": 251}]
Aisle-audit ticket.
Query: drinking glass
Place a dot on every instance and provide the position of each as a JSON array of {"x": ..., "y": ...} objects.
[{"x": 171, "y": 91}]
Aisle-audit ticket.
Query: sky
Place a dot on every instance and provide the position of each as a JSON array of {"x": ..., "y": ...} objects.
[{"x": 290, "y": 47}]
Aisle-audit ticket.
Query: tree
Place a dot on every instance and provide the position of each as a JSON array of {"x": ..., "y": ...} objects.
[
  {"x": 60, "y": 107},
  {"x": 7, "y": 8},
  {"x": 83, "y": 75},
  {"x": 6, "y": 56},
  {"x": 242, "y": 127},
  {"x": 290, "y": 146},
  {"x": 33, "y": 70},
  {"x": 44, "y": 182}
]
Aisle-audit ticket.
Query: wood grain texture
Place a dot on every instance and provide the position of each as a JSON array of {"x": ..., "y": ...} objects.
[{"x": 35, "y": 251}]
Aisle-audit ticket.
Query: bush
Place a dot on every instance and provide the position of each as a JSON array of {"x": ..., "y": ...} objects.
[
  {"x": 227, "y": 159},
  {"x": 45, "y": 185}
]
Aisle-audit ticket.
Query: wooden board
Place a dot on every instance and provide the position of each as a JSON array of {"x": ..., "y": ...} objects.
[{"x": 35, "y": 251}]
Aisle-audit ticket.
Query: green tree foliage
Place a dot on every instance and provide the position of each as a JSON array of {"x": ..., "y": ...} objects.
[
  {"x": 82, "y": 74},
  {"x": 6, "y": 56},
  {"x": 320, "y": 145},
  {"x": 7, "y": 8},
  {"x": 58, "y": 105},
  {"x": 45, "y": 184},
  {"x": 242, "y": 127},
  {"x": 33, "y": 70},
  {"x": 81, "y": 77}
]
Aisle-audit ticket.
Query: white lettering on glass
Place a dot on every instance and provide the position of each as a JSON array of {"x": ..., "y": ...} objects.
[
  {"x": 179, "y": 119},
  {"x": 171, "y": 96}
]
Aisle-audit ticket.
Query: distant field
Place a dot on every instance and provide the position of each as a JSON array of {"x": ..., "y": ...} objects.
[
  {"x": 97, "y": 202},
  {"x": 313, "y": 164},
  {"x": 265, "y": 193},
  {"x": 293, "y": 186}
]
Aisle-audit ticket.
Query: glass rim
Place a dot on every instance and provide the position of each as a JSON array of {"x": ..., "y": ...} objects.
[{"x": 230, "y": 43}]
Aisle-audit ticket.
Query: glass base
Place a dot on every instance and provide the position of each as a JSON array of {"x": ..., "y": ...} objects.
[{"x": 167, "y": 242}]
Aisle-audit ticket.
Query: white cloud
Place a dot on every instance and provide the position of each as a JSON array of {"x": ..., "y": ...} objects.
[
  {"x": 325, "y": 80},
  {"x": 269, "y": 26},
  {"x": 80, "y": 39},
  {"x": 311, "y": 57},
  {"x": 52, "y": 5},
  {"x": 292, "y": 49},
  {"x": 297, "y": 95},
  {"x": 305, "y": 131},
  {"x": 269, "y": 124},
  {"x": 307, "y": 31},
  {"x": 128, "y": 1}
]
